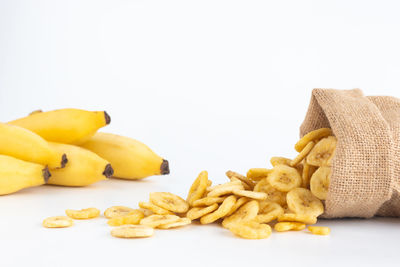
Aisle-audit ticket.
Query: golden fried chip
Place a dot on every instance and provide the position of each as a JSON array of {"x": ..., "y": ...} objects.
[
  {"x": 241, "y": 201},
  {"x": 134, "y": 217},
  {"x": 195, "y": 213},
  {"x": 280, "y": 161},
  {"x": 256, "y": 174},
  {"x": 302, "y": 218},
  {"x": 250, "y": 194},
  {"x": 207, "y": 201},
  {"x": 116, "y": 211},
  {"x": 222, "y": 210},
  {"x": 154, "y": 208},
  {"x": 289, "y": 226},
  {"x": 58, "y": 222},
  {"x": 157, "y": 220},
  {"x": 319, "y": 230},
  {"x": 272, "y": 194},
  {"x": 302, "y": 201},
  {"x": 312, "y": 136},
  {"x": 268, "y": 212},
  {"x": 304, "y": 153},
  {"x": 198, "y": 188},
  {"x": 169, "y": 202},
  {"x": 179, "y": 223},
  {"x": 251, "y": 230},
  {"x": 83, "y": 214},
  {"x": 323, "y": 152},
  {"x": 245, "y": 213},
  {"x": 132, "y": 231},
  {"x": 284, "y": 178}
]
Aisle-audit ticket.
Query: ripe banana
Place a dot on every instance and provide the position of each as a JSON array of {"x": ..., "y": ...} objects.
[
  {"x": 16, "y": 174},
  {"x": 84, "y": 167},
  {"x": 26, "y": 145},
  {"x": 69, "y": 126},
  {"x": 130, "y": 158}
]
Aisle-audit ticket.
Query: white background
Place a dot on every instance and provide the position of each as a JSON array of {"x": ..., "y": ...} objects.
[{"x": 213, "y": 85}]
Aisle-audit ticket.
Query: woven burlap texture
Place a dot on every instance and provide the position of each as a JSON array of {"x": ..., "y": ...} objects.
[{"x": 366, "y": 167}]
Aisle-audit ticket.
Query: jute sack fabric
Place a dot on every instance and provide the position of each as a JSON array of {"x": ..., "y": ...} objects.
[{"x": 366, "y": 167}]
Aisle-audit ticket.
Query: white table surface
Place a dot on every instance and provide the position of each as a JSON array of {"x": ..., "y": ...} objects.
[{"x": 213, "y": 84}]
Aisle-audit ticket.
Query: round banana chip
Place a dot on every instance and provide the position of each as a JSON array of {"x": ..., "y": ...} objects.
[
  {"x": 116, "y": 211},
  {"x": 302, "y": 218},
  {"x": 289, "y": 226},
  {"x": 268, "y": 212},
  {"x": 323, "y": 152},
  {"x": 198, "y": 188},
  {"x": 245, "y": 186},
  {"x": 154, "y": 208},
  {"x": 308, "y": 171},
  {"x": 319, "y": 183},
  {"x": 250, "y": 194},
  {"x": 222, "y": 210},
  {"x": 57, "y": 222},
  {"x": 134, "y": 217},
  {"x": 207, "y": 201},
  {"x": 245, "y": 213},
  {"x": 236, "y": 182},
  {"x": 304, "y": 152},
  {"x": 302, "y": 201},
  {"x": 221, "y": 191},
  {"x": 312, "y": 136},
  {"x": 157, "y": 220},
  {"x": 256, "y": 174},
  {"x": 241, "y": 201},
  {"x": 132, "y": 231},
  {"x": 251, "y": 230},
  {"x": 280, "y": 161},
  {"x": 180, "y": 222},
  {"x": 273, "y": 194},
  {"x": 195, "y": 213},
  {"x": 83, "y": 214},
  {"x": 319, "y": 230},
  {"x": 244, "y": 179},
  {"x": 284, "y": 178},
  {"x": 169, "y": 202}
]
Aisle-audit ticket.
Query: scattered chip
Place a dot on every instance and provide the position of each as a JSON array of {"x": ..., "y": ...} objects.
[
  {"x": 319, "y": 230},
  {"x": 132, "y": 231},
  {"x": 116, "y": 211},
  {"x": 169, "y": 201},
  {"x": 251, "y": 230},
  {"x": 58, "y": 222},
  {"x": 83, "y": 214}
]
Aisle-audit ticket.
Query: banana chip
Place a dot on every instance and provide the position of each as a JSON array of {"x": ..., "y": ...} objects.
[
  {"x": 134, "y": 217},
  {"x": 319, "y": 230},
  {"x": 116, "y": 211},
  {"x": 268, "y": 212},
  {"x": 304, "y": 153},
  {"x": 284, "y": 178},
  {"x": 169, "y": 202},
  {"x": 179, "y": 223},
  {"x": 198, "y": 188},
  {"x": 250, "y": 194},
  {"x": 312, "y": 136},
  {"x": 302, "y": 201},
  {"x": 319, "y": 183},
  {"x": 157, "y": 220},
  {"x": 242, "y": 178},
  {"x": 323, "y": 152},
  {"x": 207, "y": 201},
  {"x": 58, "y": 222},
  {"x": 308, "y": 171},
  {"x": 195, "y": 213},
  {"x": 154, "y": 208},
  {"x": 272, "y": 194},
  {"x": 83, "y": 214},
  {"x": 251, "y": 230},
  {"x": 302, "y": 218},
  {"x": 132, "y": 231},
  {"x": 289, "y": 226},
  {"x": 256, "y": 174},
  {"x": 221, "y": 191},
  {"x": 245, "y": 213},
  {"x": 222, "y": 210},
  {"x": 280, "y": 161},
  {"x": 245, "y": 186},
  {"x": 241, "y": 201}
]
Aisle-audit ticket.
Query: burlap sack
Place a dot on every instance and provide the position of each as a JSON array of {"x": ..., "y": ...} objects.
[{"x": 366, "y": 167}]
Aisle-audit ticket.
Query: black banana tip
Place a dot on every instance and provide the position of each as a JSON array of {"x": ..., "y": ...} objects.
[
  {"x": 107, "y": 117},
  {"x": 108, "y": 171},
  {"x": 164, "y": 167},
  {"x": 64, "y": 160},
  {"x": 46, "y": 175}
]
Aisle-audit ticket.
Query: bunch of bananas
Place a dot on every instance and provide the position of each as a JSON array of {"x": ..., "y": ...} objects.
[{"x": 63, "y": 147}]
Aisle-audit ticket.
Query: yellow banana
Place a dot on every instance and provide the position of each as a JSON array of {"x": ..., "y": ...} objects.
[
  {"x": 23, "y": 144},
  {"x": 16, "y": 174},
  {"x": 130, "y": 158},
  {"x": 69, "y": 126},
  {"x": 84, "y": 167}
]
